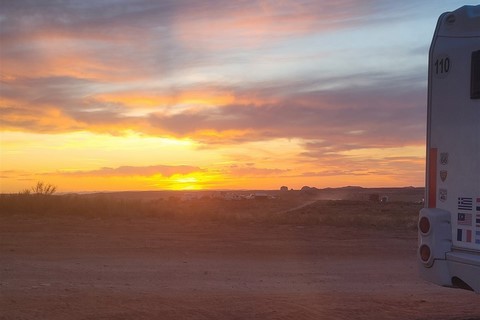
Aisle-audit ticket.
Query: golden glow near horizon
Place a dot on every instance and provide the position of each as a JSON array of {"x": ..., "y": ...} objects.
[
  {"x": 251, "y": 95},
  {"x": 85, "y": 161}
]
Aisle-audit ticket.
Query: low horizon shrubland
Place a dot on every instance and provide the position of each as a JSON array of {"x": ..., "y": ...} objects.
[{"x": 279, "y": 211}]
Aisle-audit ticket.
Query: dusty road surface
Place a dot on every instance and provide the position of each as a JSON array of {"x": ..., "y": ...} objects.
[{"x": 81, "y": 268}]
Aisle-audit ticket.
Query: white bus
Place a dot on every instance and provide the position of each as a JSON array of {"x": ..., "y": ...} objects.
[{"x": 449, "y": 225}]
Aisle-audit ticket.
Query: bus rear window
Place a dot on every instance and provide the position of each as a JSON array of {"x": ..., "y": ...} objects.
[{"x": 475, "y": 78}]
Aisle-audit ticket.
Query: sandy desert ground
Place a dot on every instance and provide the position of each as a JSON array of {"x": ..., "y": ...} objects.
[{"x": 123, "y": 268}]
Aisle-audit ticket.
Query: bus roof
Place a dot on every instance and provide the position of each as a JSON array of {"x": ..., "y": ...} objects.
[{"x": 463, "y": 22}]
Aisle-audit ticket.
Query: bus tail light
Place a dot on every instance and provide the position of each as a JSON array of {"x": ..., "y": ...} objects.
[
  {"x": 425, "y": 253},
  {"x": 434, "y": 235},
  {"x": 424, "y": 225}
]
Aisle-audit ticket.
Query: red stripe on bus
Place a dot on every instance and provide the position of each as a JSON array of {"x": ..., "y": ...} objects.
[{"x": 432, "y": 178}]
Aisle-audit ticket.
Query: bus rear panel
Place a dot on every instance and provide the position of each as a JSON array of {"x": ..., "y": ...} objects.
[{"x": 449, "y": 225}]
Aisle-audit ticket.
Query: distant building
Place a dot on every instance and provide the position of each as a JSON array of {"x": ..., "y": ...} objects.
[
  {"x": 231, "y": 196},
  {"x": 261, "y": 196},
  {"x": 283, "y": 188}
]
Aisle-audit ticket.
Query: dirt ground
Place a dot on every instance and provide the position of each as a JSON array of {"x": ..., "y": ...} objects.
[{"x": 80, "y": 268}]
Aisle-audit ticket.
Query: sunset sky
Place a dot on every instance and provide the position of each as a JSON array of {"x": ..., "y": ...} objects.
[{"x": 186, "y": 95}]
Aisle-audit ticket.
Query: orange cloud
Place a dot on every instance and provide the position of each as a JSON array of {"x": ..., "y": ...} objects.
[
  {"x": 330, "y": 121},
  {"x": 185, "y": 98},
  {"x": 250, "y": 171},
  {"x": 132, "y": 171},
  {"x": 207, "y": 97}
]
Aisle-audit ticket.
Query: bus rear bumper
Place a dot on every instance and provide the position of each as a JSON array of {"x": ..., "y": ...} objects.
[
  {"x": 460, "y": 270},
  {"x": 464, "y": 269},
  {"x": 437, "y": 273}
]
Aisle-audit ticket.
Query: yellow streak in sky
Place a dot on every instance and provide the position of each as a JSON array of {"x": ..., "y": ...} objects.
[{"x": 148, "y": 99}]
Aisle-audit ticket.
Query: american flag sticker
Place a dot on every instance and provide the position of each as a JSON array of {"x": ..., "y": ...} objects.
[
  {"x": 464, "y": 219},
  {"x": 465, "y": 203},
  {"x": 477, "y": 220},
  {"x": 478, "y": 204}
]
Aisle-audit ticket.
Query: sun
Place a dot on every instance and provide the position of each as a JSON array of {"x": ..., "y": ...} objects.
[
  {"x": 201, "y": 180},
  {"x": 186, "y": 183}
]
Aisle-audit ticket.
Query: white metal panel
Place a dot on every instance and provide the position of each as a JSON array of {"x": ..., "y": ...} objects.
[{"x": 454, "y": 126}]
